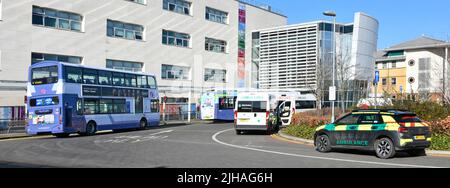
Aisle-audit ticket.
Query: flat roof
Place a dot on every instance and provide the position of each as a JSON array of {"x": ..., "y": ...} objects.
[{"x": 255, "y": 4}]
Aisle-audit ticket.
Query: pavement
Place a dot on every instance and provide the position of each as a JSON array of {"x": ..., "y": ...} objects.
[{"x": 198, "y": 145}]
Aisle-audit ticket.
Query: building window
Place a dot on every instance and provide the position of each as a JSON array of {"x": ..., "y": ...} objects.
[
  {"x": 394, "y": 81},
  {"x": 175, "y": 39},
  {"x": 144, "y": 2},
  {"x": 411, "y": 80},
  {"x": 215, "y": 45},
  {"x": 216, "y": 15},
  {"x": 179, "y": 6},
  {"x": 124, "y": 65},
  {"x": 394, "y": 64},
  {"x": 384, "y": 81},
  {"x": 384, "y": 65},
  {"x": 215, "y": 75},
  {"x": 57, "y": 19},
  {"x": 124, "y": 30},
  {"x": 38, "y": 57},
  {"x": 411, "y": 62},
  {"x": 171, "y": 72}
]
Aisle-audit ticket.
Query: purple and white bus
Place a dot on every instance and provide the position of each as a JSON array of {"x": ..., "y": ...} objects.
[{"x": 66, "y": 98}]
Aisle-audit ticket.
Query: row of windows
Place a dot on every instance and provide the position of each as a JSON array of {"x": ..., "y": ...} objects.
[
  {"x": 172, "y": 72},
  {"x": 215, "y": 75},
  {"x": 91, "y": 76},
  {"x": 179, "y": 6},
  {"x": 215, "y": 45},
  {"x": 56, "y": 19},
  {"x": 393, "y": 81},
  {"x": 175, "y": 39},
  {"x": 124, "y": 30},
  {"x": 144, "y": 2},
  {"x": 38, "y": 57},
  {"x": 216, "y": 15},
  {"x": 113, "y": 106},
  {"x": 124, "y": 65},
  {"x": 72, "y": 21}
]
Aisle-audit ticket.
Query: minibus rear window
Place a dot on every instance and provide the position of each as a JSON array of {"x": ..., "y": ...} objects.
[{"x": 252, "y": 106}]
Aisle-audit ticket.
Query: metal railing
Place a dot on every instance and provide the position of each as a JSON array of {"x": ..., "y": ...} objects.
[{"x": 12, "y": 126}]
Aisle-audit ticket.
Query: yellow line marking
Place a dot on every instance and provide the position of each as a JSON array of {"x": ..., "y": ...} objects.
[
  {"x": 439, "y": 155},
  {"x": 276, "y": 137}
]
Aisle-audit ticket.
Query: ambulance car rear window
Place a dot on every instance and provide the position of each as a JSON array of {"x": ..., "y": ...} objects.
[{"x": 411, "y": 118}]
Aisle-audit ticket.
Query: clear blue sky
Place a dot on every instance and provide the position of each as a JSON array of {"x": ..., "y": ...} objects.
[{"x": 400, "y": 20}]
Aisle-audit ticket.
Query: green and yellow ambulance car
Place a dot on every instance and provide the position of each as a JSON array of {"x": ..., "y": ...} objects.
[{"x": 383, "y": 131}]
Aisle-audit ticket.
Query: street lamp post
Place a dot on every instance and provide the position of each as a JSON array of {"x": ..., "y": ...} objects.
[{"x": 333, "y": 14}]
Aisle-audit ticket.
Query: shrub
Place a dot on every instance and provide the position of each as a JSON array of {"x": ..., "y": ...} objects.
[{"x": 301, "y": 131}]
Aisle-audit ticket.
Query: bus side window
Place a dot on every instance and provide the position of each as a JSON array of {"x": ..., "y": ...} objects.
[
  {"x": 80, "y": 107},
  {"x": 154, "y": 105},
  {"x": 151, "y": 82}
]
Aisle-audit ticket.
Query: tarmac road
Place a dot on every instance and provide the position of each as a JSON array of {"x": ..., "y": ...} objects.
[{"x": 190, "y": 146}]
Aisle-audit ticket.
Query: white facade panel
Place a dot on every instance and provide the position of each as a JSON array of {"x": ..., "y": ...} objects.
[{"x": 19, "y": 38}]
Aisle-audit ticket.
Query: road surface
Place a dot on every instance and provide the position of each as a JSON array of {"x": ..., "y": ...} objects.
[{"x": 190, "y": 146}]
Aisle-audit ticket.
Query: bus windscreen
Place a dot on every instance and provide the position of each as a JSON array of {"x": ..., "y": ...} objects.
[{"x": 44, "y": 75}]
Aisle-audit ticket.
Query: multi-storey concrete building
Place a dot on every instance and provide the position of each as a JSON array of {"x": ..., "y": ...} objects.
[
  {"x": 188, "y": 44},
  {"x": 415, "y": 69},
  {"x": 300, "y": 56}
]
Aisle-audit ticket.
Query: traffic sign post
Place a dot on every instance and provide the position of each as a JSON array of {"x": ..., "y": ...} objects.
[{"x": 375, "y": 82}]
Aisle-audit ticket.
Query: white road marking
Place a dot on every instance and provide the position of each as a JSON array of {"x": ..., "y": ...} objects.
[
  {"x": 214, "y": 137},
  {"x": 162, "y": 132},
  {"x": 135, "y": 139}
]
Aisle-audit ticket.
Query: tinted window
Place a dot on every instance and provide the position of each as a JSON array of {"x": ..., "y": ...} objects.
[
  {"x": 119, "y": 106},
  {"x": 351, "y": 119},
  {"x": 130, "y": 80},
  {"x": 370, "y": 119},
  {"x": 104, "y": 77},
  {"x": 142, "y": 81},
  {"x": 154, "y": 106},
  {"x": 407, "y": 119},
  {"x": 151, "y": 82},
  {"x": 245, "y": 106},
  {"x": 118, "y": 79},
  {"x": 72, "y": 74},
  {"x": 252, "y": 106},
  {"x": 106, "y": 106},
  {"x": 91, "y": 106},
  {"x": 90, "y": 76},
  {"x": 44, "y": 75},
  {"x": 227, "y": 102},
  {"x": 305, "y": 104}
]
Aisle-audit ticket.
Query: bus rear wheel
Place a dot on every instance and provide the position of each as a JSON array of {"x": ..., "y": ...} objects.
[
  {"x": 91, "y": 128},
  {"x": 143, "y": 124}
]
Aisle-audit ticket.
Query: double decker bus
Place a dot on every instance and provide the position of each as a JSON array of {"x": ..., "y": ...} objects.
[{"x": 66, "y": 98}]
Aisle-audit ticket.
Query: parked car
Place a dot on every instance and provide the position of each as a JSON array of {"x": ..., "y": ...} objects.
[{"x": 383, "y": 131}]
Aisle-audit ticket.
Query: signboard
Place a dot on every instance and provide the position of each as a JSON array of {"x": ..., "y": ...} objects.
[
  {"x": 377, "y": 77},
  {"x": 241, "y": 46},
  {"x": 332, "y": 93}
]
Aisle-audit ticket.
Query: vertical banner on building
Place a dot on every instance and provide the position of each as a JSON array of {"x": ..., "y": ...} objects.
[{"x": 241, "y": 47}]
